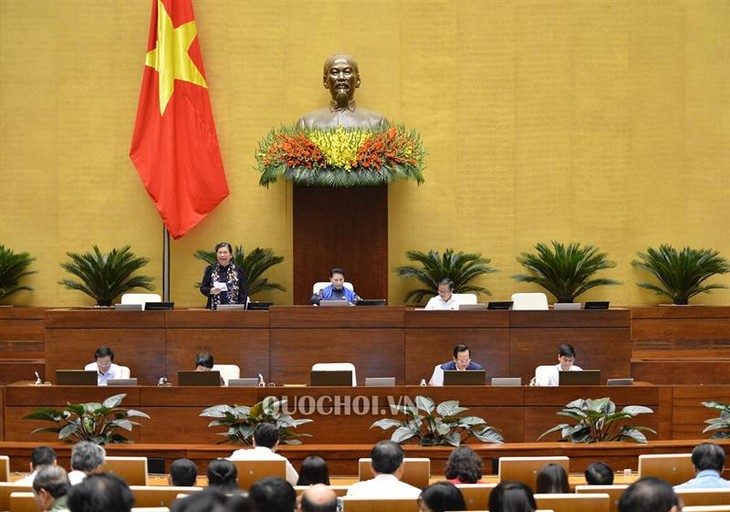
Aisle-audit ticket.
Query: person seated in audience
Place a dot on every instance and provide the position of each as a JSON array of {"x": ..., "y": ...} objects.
[
  {"x": 464, "y": 466},
  {"x": 441, "y": 497},
  {"x": 104, "y": 366},
  {"x": 552, "y": 478},
  {"x": 314, "y": 471},
  {"x": 599, "y": 473},
  {"x": 566, "y": 358},
  {"x": 649, "y": 494},
  {"x": 50, "y": 488},
  {"x": 461, "y": 362},
  {"x": 512, "y": 497},
  {"x": 318, "y": 498},
  {"x": 273, "y": 494},
  {"x": 336, "y": 290},
  {"x": 265, "y": 444},
  {"x": 709, "y": 462},
  {"x": 223, "y": 475},
  {"x": 87, "y": 458},
  {"x": 445, "y": 299},
  {"x": 40, "y": 457},
  {"x": 103, "y": 491},
  {"x": 183, "y": 473},
  {"x": 204, "y": 362},
  {"x": 387, "y": 464},
  {"x": 211, "y": 499}
]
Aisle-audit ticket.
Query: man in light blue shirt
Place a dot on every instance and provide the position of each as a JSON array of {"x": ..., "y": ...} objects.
[{"x": 709, "y": 461}]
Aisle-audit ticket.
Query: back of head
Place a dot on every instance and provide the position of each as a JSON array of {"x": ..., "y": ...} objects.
[
  {"x": 207, "y": 500},
  {"x": 103, "y": 491},
  {"x": 204, "y": 359},
  {"x": 183, "y": 472},
  {"x": 512, "y": 497},
  {"x": 465, "y": 465},
  {"x": 649, "y": 494},
  {"x": 552, "y": 478},
  {"x": 319, "y": 498},
  {"x": 599, "y": 473},
  {"x": 266, "y": 434},
  {"x": 223, "y": 475},
  {"x": 87, "y": 457},
  {"x": 708, "y": 456},
  {"x": 386, "y": 457},
  {"x": 53, "y": 479},
  {"x": 314, "y": 471},
  {"x": 442, "y": 496},
  {"x": 42, "y": 456},
  {"x": 566, "y": 350},
  {"x": 273, "y": 494}
]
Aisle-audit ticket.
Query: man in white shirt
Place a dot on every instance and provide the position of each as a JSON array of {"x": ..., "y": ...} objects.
[
  {"x": 87, "y": 458},
  {"x": 40, "y": 457},
  {"x": 461, "y": 362},
  {"x": 445, "y": 299},
  {"x": 104, "y": 366},
  {"x": 387, "y": 464},
  {"x": 265, "y": 443},
  {"x": 550, "y": 376}
]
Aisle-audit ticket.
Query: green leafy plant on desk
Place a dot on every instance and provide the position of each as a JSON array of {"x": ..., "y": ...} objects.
[
  {"x": 423, "y": 423},
  {"x": 99, "y": 423},
  {"x": 599, "y": 421},
  {"x": 720, "y": 426},
  {"x": 240, "y": 421}
]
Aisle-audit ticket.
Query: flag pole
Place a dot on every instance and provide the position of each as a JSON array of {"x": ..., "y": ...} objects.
[{"x": 165, "y": 264}]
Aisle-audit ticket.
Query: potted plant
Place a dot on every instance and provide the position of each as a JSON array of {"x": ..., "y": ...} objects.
[
  {"x": 99, "y": 423},
  {"x": 105, "y": 276},
  {"x": 565, "y": 272},
  {"x": 681, "y": 274},
  {"x": 240, "y": 421},
  {"x": 460, "y": 267},
  {"x": 13, "y": 267},
  {"x": 253, "y": 265},
  {"x": 598, "y": 421},
  {"x": 423, "y": 423},
  {"x": 720, "y": 426}
]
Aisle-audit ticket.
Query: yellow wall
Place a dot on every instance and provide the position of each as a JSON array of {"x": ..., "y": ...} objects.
[{"x": 604, "y": 122}]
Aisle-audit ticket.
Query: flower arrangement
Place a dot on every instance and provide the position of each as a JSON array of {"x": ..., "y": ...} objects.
[{"x": 340, "y": 157}]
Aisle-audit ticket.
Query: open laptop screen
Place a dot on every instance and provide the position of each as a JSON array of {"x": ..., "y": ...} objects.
[
  {"x": 76, "y": 378},
  {"x": 583, "y": 378},
  {"x": 334, "y": 378},
  {"x": 193, "y": 378},
  {"x": 465, "y": 378}
]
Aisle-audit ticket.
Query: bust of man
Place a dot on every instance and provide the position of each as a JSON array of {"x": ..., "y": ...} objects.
[{"x": 341, "y": 77}]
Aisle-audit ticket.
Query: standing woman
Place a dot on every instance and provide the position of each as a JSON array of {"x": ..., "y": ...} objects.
[{"x": 224, "y": 282}]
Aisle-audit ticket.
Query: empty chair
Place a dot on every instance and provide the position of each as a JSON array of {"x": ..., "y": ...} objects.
[
  {"x": 476, "y": 496},
  {"x": 614, "y": 492},
  {"x": 416, "y": 471},
  {"x": 675, "y": 468},
  {"x": 132, "y": 469},
  {"x": 379, "y": 505},
  {"x": 22, "y": 502},
  {"x": 529, "y": 301},
  {"x": 465, "y": 298},
  {"x": 707, "y": 508},
  {"x": 336, "y": 367},
  {"x": 4, "y": 468},
  {"x": 704, "y": 497},
  {"x": 6, "y": 489},
  {"x": 525, "y": 469},
  {"x": 251, "y": 470},
  {"x": 227, "y": 371},
  {"x": 158, "y": 495},
  {"x": 140, "y": 298},
  {"x": 340, "y": 490},
  {"x": 569, "y": 502},
  {"x": 150, "y": 509}
]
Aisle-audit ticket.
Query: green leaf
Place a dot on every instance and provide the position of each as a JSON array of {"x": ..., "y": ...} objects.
[
  {"x": 386, "y": 423},
  {"x": 450, "y": 408},
  {"x": 13, "y": 268},
  {"x": 402, "y": 434},
  {"x": 114, "y": 401},
  {"x": 425, "y": 404}
]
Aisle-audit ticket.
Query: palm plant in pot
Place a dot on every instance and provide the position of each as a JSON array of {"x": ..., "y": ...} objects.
[
  {"x": 13, "y": 267},
  {"x": 460, "y": 267},
  {"x": 105, "y": 276},
  {"x": 681, "y": 274},
  {"x": 254, "y": 264},
  {"x": 565, "y": 271}
]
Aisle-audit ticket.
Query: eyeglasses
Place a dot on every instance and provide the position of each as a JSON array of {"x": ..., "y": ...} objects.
[
  {"x": 468, "y": 359},
  {"x": 101, "y": 363}
]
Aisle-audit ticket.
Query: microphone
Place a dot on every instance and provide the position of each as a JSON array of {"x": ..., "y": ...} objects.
[
  {"x": 262, "y": 383},
  {"x": 38, "y": 380}
]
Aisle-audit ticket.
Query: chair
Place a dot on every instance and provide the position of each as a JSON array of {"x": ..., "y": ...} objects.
[
  {"x": 251, "y": 470},
  {"x": 704, "y": 497},
  {"x": 6, "y": 489},
  {"x": 707, "y": 508},
  {"x": 336, "y": 367},
  {"x": 158, "y": 495},
  {"x": 150, "y": 509},
  {"x": 525, "y": 469},
  {"x": 324, "y": 284},
  {"x": 124, "y": 372},
  {"x": 340, "y": 490},
  {"x": 140, "y": 298},
  {"x": 465, "y": 298},
  {"x": 132, "y": 469},
  {"x": 476, "y": 496},
  {"x": 22, "y": 502},
  {"x": 541, "y": 374},
  {"x": 416, "y": 471},
  {"x": 381, "y": 505},
  {"x": 614, "y": 492},
  {"x": 569, "y": 502},
  {"x": 675, "y": 468},
  {"x": 227, "y": 371},
  {"x": 529, "y": 301},
  {"x": 4, "y": 468}
]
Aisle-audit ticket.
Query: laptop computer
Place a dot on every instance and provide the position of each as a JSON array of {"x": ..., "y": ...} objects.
[
  {"x": 128, "y": 307},
  {"x": 596, "y": 304},
  {"x": 193, "y": 378},
  {"x": 231, "y": 307},
  {"x": 333, "y": 303},
  {"x": 76, "y": 377},
  {"x": 465, "y": 378},
  {"x": 569, "y": 306},
  {"x": 501, "y": 304},
  {"x": 159, "y": 306},
  {"x": 506, "y": 381},
  {"x": 473, "y": 307},
  {"x": 248, "y": 382},
  {"x": 370, "y": 302},
  {"x": 380, "y": 381},
  {"x": 122, "y": 382},
  {"x": 583, "y": 378},
  {"x": 335, "y": 378},
  {"x": 259, "y": 305},
  {"x": 625, "y": 381}
]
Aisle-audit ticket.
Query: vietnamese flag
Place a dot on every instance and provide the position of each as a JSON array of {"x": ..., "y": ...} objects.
[{"x": 175, "y": 146}]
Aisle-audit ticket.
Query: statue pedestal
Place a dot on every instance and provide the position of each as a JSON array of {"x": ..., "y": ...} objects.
[{"x": 341, "y": 227}]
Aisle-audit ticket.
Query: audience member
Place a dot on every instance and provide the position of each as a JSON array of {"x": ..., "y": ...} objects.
[
  {"x": 183, "y": 473},
  {"x": 650, "y": 494},
  {"x": 461, "y": 362},
  {"x": 464, "y": 466},
  {"x": 50, "y": 488},
  {"x": 210, "y": 499},
  {"x": 512, "y": 497},
  {"x": 441, "y": 497},
  {"x": 387, "y": 465},
  {"x": 273, "y": 494},
  {"x": 551, "y": 479},
  {"x": 101, "y": 492},
  {"x": 40, "y": 457},
  {"x": 204, "y": 362},
  {"x": 265, "y": 444},
  {"x": 314, "y": 471},
  {"x": 223, "y": 475},
  {"x": 318, "y": 498},
  {"x": 86, "y": 458},
  {"x": 336, "y": 290},
  {"x": 709, "y": 462},
  {"x": 445, "y": 299},
  {"x": 104, "y": 366},
  {"x": 550, "y": 376},
  {"x": 599, "y": 473}
]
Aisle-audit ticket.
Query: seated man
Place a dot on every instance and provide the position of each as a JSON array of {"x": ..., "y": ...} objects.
[
  {"x": 183, "y": 473},
  {"x": 550, "y": 376},
  {"x": 650, "y": 494},
  {"x": 387, "y": 464},
  {"x": 104, "y": 366},
  {"x": 273, "y": 494},
  {"x": 265, "y": 443},
  {"x": 445, "y": 299},
  {"x": 318, "y": 498},
  {"x": 105, "y": 491},
  {"x": 87, "y": 458},
  {"x": 709, "y": 461},
  {"x": 599, "y": 473},
  {"x": 40, "y": 457},
  {"x": 461, "y": 362},
  {"x": 50, "y": 489},
  {"x": 336, "y": 290}
]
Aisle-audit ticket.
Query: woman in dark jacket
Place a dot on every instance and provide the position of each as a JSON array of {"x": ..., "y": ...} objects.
[{"x": 224, "y": 282}]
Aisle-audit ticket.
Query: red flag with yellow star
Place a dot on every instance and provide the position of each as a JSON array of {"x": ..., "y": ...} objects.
[{"x": 175, "y": 146}]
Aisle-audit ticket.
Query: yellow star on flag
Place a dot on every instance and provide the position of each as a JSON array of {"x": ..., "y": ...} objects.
[{"x": 170, "y": 57}]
